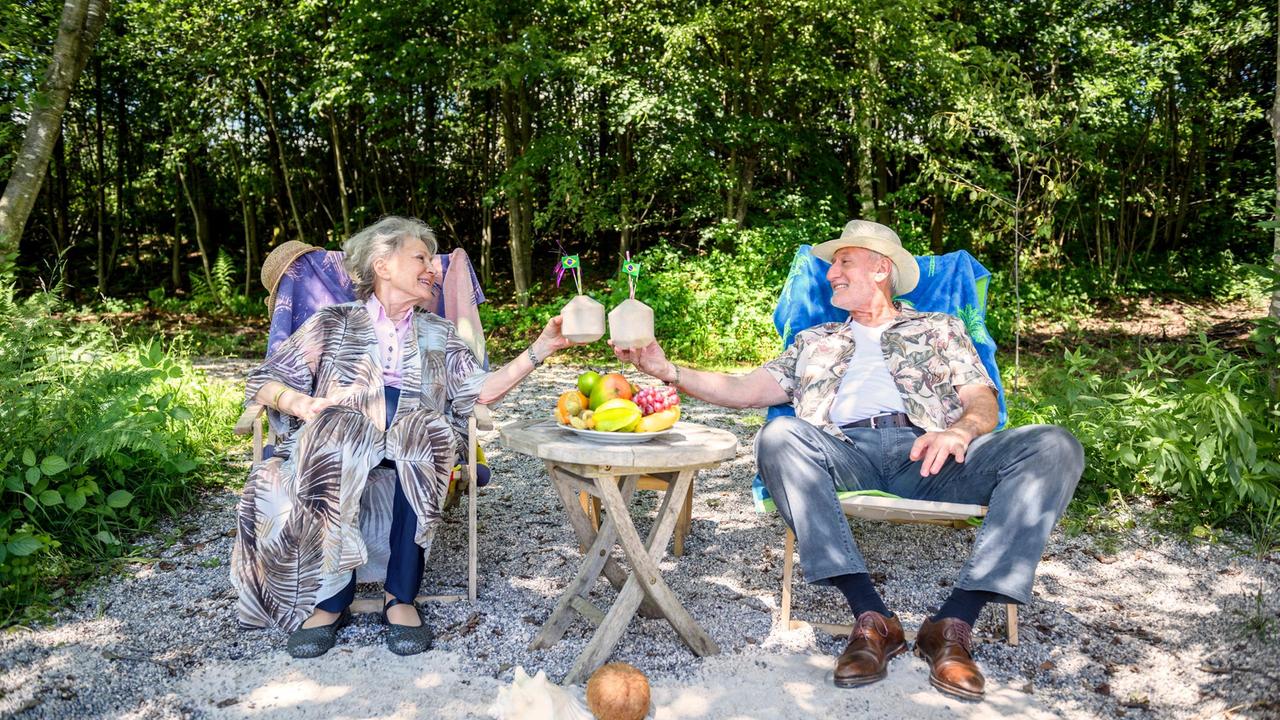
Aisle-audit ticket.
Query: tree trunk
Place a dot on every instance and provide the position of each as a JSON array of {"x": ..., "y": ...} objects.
[
  {"x": 883, "y": 214},
  {"x": 1274, "y": 117},
  {"x": 121, "y": 138},
  {"x": 936, "y": 222},
  {"x": 517, "y": 134},
  {"x": 77, "y": 32},
  {"x": 342, "y": 181},
  {"x": 201, "y": 221},
  {"x": 175, "y": 259},
  {"x": 100, "y": 177},
  {"x": 487, "y": 165},
  {"x": 866, "y": 161},
  {"x": 277, "y": 143},
  {"x": 246, "y": 215}
]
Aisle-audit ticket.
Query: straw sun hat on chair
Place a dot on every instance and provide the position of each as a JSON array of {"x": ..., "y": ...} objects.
[
  {"x": 879, "y": 238},
  {"x": 277, "y": 262}
]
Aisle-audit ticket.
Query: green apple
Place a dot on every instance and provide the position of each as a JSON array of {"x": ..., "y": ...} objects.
[{"x": 587, "y": 381}]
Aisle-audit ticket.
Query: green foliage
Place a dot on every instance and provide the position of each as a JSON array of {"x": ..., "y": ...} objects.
[
  {"x": 713, "y": 308},
  {"x": 717, "y": 307},
  {"x": 100, "y": 439},
  {"x": 219, "y": 292},
  {"x": 1064, "y": 292},
  {"x": 1196, "y": 425}
]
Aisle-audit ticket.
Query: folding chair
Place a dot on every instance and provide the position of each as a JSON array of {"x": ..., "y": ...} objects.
[
  {"x": 315, "y": 278},
  {"x": 955, "y": 283}
]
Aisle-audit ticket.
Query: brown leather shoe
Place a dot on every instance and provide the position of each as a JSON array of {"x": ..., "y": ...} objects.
[
  {"x": 945, "y": 645},
  {"x": 874, "y": 641}
]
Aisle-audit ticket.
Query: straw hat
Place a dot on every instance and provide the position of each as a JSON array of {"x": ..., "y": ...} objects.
[
  {"x": 881, "y": 239},
  {"x": 277, "y": 262}
]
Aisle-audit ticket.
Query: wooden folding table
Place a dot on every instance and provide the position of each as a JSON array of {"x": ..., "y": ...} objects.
[{"x": 611, "y": 472}]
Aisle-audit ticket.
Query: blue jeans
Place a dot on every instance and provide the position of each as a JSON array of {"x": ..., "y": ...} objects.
[
  {"x": 1025, "y": 476},
  {"x": 405, "y": 566}
]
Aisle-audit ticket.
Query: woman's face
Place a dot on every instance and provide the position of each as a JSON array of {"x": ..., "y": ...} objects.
[{"x": 406, "y": 275}]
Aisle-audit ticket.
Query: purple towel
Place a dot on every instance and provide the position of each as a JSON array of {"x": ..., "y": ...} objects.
[{"x": 317, "y": 279}]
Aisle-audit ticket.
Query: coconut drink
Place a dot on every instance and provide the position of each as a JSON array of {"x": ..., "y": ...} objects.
[
  {"x": 631, "y": 322},
  {"x": 582, "y": 318}
]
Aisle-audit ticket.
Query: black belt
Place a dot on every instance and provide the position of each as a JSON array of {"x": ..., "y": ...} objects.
[{"x": 882, "y": 421}]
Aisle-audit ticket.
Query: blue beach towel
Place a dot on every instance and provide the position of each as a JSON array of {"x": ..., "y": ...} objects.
[{"x": 955, "y": 283}]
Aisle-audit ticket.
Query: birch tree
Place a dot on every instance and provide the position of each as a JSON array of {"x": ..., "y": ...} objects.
[{"x": 77, "y": 32}]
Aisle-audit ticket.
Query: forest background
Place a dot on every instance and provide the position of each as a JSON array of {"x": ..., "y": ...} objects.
[{"x": 1088, "y": 153}]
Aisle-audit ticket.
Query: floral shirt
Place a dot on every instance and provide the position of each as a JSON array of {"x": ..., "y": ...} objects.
[{"x": 929, "y": 356}]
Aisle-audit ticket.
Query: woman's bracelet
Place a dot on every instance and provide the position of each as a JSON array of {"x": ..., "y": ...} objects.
[
  {"x": 533, "y": 358},
  {"x": 275, "y": 401},
  {"x": 675, "y": 381}
]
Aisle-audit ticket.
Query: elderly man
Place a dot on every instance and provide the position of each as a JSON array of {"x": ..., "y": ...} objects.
[{"x": 898, "y": 401}]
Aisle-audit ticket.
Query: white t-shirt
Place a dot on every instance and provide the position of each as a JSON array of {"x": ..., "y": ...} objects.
[{"x": 867, "y": 389}]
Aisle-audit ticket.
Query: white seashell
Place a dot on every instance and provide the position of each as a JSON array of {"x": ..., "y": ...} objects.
[{"x": 536, "y": 698}]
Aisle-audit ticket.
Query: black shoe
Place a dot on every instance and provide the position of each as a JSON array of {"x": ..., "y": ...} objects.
[
  {"x": 404, "y": 639},
  {"x": 316, "y": 641}
]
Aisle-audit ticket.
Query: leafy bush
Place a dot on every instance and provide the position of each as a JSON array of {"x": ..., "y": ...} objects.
[
  {"x": 717, "y": 307},
  {"x": 713, "y": 308},
  {"x": 99, "y": 440},
  {"x": 1197, "y": 425}
]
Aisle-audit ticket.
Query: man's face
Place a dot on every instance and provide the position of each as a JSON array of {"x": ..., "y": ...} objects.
[{"x": 855, "y": 276}]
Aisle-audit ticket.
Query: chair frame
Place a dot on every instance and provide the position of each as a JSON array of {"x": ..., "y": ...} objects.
[
  {"x": 896, "y": 510},
  {"x": 253, "y": 420}
]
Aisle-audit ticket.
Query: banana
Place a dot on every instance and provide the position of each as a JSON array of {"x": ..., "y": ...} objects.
[{"x": 658, "y": 421}]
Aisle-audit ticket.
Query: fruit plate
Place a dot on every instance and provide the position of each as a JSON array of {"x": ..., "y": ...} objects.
[{"x": 615, "y": 438}]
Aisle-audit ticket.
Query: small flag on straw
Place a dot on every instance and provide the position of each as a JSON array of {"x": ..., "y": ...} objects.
[
  {"x": 632, "y": 271},
  {"x": 569, "y": 264}
]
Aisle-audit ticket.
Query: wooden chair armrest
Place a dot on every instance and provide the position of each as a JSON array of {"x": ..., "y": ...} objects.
[
  {"x": 483, "y": 416},
  {"x": 251, "y": 413}
]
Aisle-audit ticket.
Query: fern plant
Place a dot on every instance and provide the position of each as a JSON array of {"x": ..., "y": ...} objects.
[
  {"x": 219, "y": 291},
  {"x": 99, "y": 440}
]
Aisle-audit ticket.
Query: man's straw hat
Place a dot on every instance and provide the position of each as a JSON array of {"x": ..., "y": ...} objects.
[
  {"x": 881, "y": 239},
  {"x": 277, "y": 262}
]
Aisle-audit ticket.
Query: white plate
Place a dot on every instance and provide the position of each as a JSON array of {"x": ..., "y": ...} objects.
[{"x": 615, "y": 438}]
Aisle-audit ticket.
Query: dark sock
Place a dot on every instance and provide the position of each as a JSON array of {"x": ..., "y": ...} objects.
[
  {"x": 860, "y": 593},
  {"x": 967, "y": 604}
]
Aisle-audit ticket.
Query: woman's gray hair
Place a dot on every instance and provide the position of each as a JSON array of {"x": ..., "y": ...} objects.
[
  {"x": 378, "y": 241},
  {"x": 893, "y": 279}
]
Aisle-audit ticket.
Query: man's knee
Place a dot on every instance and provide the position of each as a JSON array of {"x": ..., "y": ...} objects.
[
  {"x": 1058, "y": 447},
  {"x": 781, "y": 434},
  {"x": 1055, "y": 456}
]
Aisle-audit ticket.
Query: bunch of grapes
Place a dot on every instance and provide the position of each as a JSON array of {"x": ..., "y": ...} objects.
[{"x": 656, "y": 399}]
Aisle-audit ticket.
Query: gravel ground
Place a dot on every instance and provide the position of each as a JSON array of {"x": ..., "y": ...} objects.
[{"x": 1152, "y": 626}]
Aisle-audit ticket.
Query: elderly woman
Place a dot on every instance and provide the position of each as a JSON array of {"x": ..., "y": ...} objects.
[{"x": 361, "y": 384}]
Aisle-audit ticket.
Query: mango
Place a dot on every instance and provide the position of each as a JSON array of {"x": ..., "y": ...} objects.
[
  {"x": 609, "y": 387},
  {"x": 616, "y": 415}
]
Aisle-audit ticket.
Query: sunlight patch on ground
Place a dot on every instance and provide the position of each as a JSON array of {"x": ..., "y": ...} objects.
[{"x": 294, "y": 691}]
